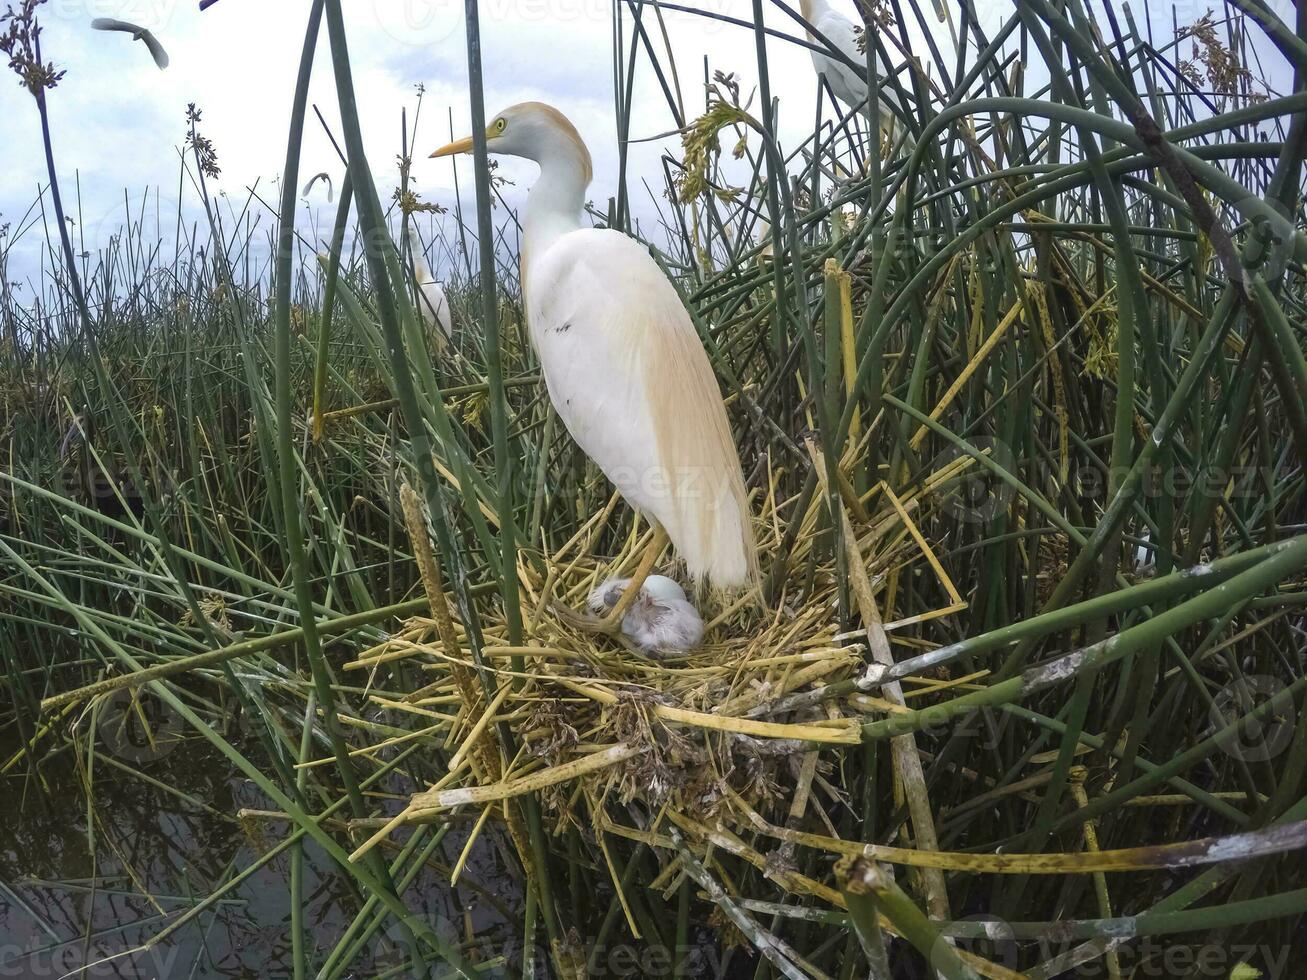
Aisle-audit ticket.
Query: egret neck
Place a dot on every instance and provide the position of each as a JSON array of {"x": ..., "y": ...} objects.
[
  {"x": 557, "y": 198},
  {"x": 811, "y": 8}
]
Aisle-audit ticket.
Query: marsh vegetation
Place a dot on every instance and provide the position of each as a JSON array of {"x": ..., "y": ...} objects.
[{"x": 1021, "y": 399}]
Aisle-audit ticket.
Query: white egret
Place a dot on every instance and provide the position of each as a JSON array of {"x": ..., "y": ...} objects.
[
  {"x": 847, "y": 85},
  {"x": 308, "y": 188},
  {"x": 159, "y": 55},
  {"x": 432, "y": 303},
  {"x": 624, "y": 367},
  {"x": 660, "y": 621}
]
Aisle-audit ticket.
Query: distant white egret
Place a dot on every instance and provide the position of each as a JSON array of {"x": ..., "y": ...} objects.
[
  {"x": 139, "y": 33},
  {"x": 431, "y": 296},
  {"x": 661, "y": 620},
  {"x": 624, "y": 367},
  {"x": 847, "y": 85},
  {"x": 331, "y": 192}
]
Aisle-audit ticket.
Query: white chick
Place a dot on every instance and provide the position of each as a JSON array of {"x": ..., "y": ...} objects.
[{"x": 661, "y": 622}]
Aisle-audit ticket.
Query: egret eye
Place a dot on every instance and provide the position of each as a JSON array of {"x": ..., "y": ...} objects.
[{"x": 500, "y": 125}]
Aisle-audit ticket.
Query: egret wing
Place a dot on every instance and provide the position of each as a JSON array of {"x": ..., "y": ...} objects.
[
  {"x": 157, "y": 52},
  {"x": 308, "y": 188},
  {"x": 159, "y": 55},
  {"x": 110, "y": 24}
]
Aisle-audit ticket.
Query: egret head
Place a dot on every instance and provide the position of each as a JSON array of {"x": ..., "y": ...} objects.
[{"x": 532, "y": 130}]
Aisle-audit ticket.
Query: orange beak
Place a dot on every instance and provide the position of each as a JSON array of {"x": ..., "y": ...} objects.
[{"x": 458, "y": 146}]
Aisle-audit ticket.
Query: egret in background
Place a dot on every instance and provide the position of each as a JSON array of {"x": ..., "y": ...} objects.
[
  {"x": 431, "y": 296},
  {"x": 847, "y": 85},
  {"x": 159, "y": 55},
  {"x": 99, "y": 483},
  {"x": 308, "y": 188},
  {"x": 624, "y": 367}
]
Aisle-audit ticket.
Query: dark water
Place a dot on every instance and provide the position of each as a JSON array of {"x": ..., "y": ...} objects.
[{"x": 84, "y": 882}]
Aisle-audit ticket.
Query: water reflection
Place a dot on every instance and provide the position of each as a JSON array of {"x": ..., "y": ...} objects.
[{"x": 91, "y": 870}]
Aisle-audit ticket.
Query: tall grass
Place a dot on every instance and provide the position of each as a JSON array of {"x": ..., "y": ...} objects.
[{"x": 1019, "y": 390}]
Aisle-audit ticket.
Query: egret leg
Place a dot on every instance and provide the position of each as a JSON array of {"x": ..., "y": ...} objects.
[{"x": 612, "y": 623}]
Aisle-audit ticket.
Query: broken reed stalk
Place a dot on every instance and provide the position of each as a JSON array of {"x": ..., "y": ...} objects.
[
  {"x": 865, "y": 880},
  {"x": 481, "y": 745},
  {"x": 907, "y": 759}
]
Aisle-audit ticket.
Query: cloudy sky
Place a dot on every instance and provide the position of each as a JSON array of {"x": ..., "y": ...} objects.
[{"x": 118, "y": 121}]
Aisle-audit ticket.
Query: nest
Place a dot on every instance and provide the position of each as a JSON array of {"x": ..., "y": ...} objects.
[{"x": 742, "y": 736}]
